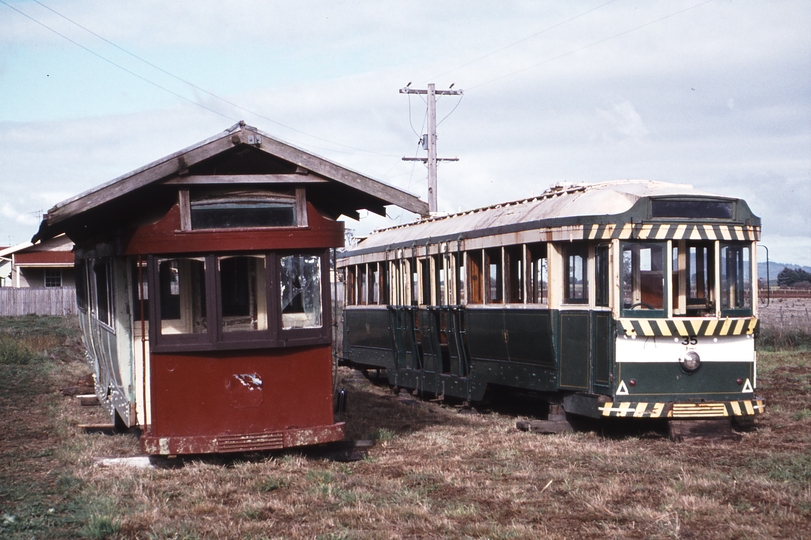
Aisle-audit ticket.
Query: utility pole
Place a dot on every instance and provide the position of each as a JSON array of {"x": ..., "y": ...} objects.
[{"x": 429, "y": 140}]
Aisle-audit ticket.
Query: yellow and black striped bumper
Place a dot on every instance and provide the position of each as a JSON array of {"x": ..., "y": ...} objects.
[
  {"x": 642, "y": 409},
  {"x": 689, "y": 327}
]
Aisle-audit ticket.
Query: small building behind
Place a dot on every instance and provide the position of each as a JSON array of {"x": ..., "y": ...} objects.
[{"x": 45, "y": 264}]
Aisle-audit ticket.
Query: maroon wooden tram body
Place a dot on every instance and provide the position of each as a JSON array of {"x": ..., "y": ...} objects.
[{"x": 203, "y": 283}]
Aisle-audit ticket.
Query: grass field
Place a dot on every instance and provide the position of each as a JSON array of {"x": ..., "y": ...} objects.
[{"x": 433, "y": 473}]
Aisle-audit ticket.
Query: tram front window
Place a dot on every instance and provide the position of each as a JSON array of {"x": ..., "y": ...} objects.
[
  {"x": 643, "y": 284},
  {"x": 182, "y": 296},
  {"x": 300, "y": 284},
  {"x": 244, "y": 294}
]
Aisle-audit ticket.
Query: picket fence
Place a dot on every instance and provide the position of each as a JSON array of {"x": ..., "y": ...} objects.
[{"x": 15, "y": 302}]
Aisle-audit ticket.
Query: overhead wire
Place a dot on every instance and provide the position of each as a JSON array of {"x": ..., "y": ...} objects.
[
  {"x": 156, "y": 85},
  {"x": 164, "y": 71}
]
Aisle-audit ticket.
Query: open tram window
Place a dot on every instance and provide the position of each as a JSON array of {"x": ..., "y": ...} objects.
[
  {"x": 461, "y": 283},
  {"x": 140, "y": 289},
  {"x": 494, "y": 279},
  {"x": 601, "y": 273},
  {"x": 425, "y": 289},
  {"x": 575, "y": 274},
  {"x": 300, "y": 287},
  {"x": 182, "y": 306},
  {"x": 440, "y": 284},
  {"x": 243, "y": 293},
  {"x": 349, "y": 286},
  {"x": 475, "y": 286},
  {"x": 81, "y": 284},
  {"x": 514, "y": 272},
  {"x": 736, "y": 279},
  {"x": 538, "y": 280},
  {"x": 643, "y": 278},
  {"x": 104, "y": 291},
  {"x": 363, "y": 284}
]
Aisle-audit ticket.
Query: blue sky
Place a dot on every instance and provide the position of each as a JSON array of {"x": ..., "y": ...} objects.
[{"x": 716, "y": 94}]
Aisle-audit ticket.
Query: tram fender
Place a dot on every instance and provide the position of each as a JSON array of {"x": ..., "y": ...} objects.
[{"x": 584, "y": 404}]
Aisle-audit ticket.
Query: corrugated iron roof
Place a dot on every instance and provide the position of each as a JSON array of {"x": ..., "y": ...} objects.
[{"x": 561, "y": 201}]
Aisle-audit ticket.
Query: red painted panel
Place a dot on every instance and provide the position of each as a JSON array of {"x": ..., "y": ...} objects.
[
  {"x": 241, "y": 392},
  {"x": 165, "y": 236}
]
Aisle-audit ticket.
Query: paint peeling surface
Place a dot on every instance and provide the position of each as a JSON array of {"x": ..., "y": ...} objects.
[{"x": 245, "y": 390}]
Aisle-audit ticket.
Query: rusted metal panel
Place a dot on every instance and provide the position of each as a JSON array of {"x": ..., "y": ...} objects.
[{"x": 248, "y": 442}]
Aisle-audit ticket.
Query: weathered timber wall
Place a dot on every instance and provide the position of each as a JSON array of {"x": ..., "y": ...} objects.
[{"x": 37, "y": 301}]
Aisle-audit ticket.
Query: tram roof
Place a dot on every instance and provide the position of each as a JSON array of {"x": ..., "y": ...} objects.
[
  {"x": 240, "y": 155},
  {"x": 606, "y": 202}
]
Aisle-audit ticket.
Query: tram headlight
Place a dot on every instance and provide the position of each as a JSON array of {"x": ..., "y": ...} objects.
[{"x": 690, "y": 362}]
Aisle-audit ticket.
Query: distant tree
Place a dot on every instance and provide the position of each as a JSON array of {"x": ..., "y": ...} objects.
[{"x": 789, "y": 277}]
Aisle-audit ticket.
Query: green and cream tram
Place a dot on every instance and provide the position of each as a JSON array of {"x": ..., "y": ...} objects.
[{"x": 625, "y": 299}]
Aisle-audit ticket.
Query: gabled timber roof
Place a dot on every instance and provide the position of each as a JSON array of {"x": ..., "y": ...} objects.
[{"x": 240, "y": 155}]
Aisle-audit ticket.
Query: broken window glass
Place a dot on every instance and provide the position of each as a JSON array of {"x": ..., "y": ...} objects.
[{"x": 300, "y": 284}]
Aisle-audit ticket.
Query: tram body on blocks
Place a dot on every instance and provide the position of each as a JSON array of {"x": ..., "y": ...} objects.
[
  {"x": 622, "y": 299},
  {"x": 203, "y": 287}
]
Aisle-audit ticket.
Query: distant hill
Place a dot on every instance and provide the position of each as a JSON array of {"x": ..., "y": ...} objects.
[{"x": 775, "y": 268}]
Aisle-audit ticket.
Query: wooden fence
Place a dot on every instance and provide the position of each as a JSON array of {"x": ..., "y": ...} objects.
[{"x": 37, "y": 301}]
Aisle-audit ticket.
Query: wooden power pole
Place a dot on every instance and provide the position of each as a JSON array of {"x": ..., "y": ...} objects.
[{"x": 429, "y": 140}]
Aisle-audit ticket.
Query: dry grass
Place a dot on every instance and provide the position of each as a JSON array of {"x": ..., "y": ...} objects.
[{"x": 434, "y": 473}]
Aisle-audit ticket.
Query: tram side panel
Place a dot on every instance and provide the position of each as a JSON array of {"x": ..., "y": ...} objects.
[{"x": 512, "y": 348}]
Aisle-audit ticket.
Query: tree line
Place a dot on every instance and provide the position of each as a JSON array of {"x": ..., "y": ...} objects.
[{"x": 789, "y": 277}]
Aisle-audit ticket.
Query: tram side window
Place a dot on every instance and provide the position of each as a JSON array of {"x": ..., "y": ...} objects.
[
  {"x": 601, "y": 271},
  {"x": 81, "y": 284},
  {"x": 351, "y": 297},
  {"x": 140, "y": 291},
  {"x": 643, "y": 276},
  {"x": 300, "y": 286},
  {"x": 415, "y": 283},
  {"x": 495, "y": 278},
  {"x": 736, "y": 279},
  {"x": 475, "y": 277},
  {"x": 426, "y": 285},
  {"x": 243, "y": 293},
  {"x": 363, "y": 284},
  {"x": 514, "y": 271},
  {"x": 182, "y": 296},
  {"x": 461, "y": 283},
  {"x": 104, "y": 292},
  {"x": 538, "y": 279},
  {"x": 442, "y": 293},
  {"x": 575, "y": 274}
]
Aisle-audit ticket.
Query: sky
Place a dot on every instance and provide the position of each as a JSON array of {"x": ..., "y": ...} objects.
[{"x": 714, "y": 93}]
